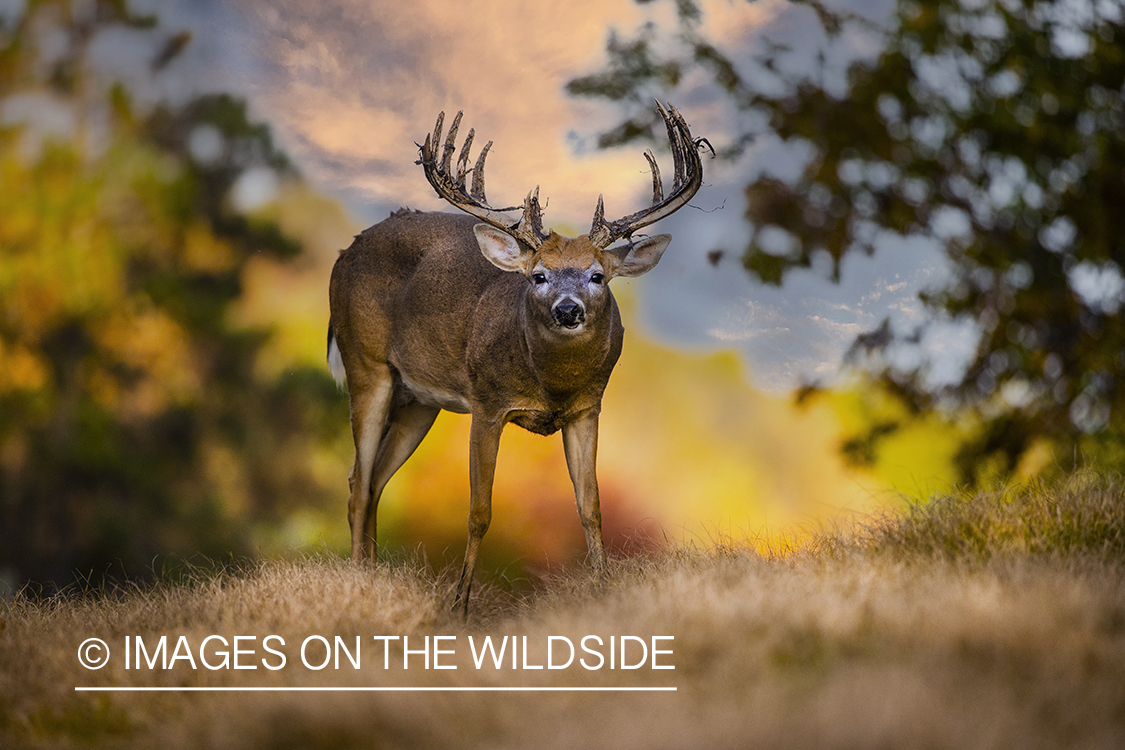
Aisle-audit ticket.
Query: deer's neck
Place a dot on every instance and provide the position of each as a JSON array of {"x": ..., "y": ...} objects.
[{"x": 562, "y": 361}]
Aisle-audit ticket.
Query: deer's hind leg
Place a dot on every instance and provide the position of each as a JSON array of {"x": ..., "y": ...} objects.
[
  {"x": 370, "y": 402},
  {"x": 408, "y": 423}
]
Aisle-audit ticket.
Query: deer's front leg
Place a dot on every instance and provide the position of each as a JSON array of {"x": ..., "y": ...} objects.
[
  {"x": 580, "y": 443},
  {"x": 484, "y": 442}
]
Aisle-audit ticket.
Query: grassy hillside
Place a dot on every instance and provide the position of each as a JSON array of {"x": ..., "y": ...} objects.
[{"x": 986, "y": 621}]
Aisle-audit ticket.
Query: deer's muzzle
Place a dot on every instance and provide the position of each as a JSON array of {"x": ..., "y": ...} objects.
[{"x": 568, "y": 314}]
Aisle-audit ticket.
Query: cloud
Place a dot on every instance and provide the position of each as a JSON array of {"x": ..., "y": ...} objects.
[{"x": 351, "y": 86}]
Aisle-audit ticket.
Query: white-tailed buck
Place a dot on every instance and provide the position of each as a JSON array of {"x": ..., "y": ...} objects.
[{"x": 489, "y": 317}]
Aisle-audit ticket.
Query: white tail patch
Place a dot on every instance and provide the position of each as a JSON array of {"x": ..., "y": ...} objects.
[{"x": 336, "y": 363}]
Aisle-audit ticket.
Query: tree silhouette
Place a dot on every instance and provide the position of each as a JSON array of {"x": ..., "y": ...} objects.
[{"x": 995, "y": 128}]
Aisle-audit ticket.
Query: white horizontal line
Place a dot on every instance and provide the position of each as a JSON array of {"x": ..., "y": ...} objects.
[{"x": 367, "y": 689}]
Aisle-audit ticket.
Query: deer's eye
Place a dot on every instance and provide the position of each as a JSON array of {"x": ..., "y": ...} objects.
[
  {"x": 539, "y": 278},
  {"x": 597, "y": 278}
]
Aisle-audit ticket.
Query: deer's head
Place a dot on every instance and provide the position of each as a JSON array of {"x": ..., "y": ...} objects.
[{"x": 568, "y": 277}]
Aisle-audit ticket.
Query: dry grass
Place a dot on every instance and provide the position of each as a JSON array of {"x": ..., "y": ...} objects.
[
  {"x": 975, "y": 622},
  {"x": 1083, "y": 515}
]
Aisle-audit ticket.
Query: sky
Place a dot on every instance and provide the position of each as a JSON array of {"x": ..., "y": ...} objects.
[{"x": 350, "y": 86}]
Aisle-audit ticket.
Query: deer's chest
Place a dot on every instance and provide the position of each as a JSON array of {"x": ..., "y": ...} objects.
[
  {"x": 547, "y": 416},
  {"x": 542, "y": 422}
]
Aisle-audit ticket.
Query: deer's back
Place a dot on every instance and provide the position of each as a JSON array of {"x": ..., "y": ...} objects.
[{"x": 405, "y": 292}]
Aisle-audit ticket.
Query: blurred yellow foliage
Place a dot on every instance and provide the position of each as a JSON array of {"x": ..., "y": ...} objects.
[
  {"x": 291, "y": 298},
  {"x": 23, "y": 369},
  {"x": 203, "y": 251},
  {"x": 156, "y": 346}
]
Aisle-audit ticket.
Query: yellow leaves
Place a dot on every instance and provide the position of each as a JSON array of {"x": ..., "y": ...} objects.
[
  {"x": 291, "y": 303},
  {"x": 19, "y": 223},
  {"x": 158, "y": 350},
  {"x": 59, "y": 256},
  {"x": 62, "y": 258},
  {"x": 292, "y": 299},
  {"x": 205, "y": 252},
  {"x": 67, "y": 229},
  {"x": 22, "y": 369},
  {"x": 917, "y": 459}
]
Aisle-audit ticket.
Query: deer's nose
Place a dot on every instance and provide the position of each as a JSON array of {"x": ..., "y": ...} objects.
[{"x": 568, "y": 314}]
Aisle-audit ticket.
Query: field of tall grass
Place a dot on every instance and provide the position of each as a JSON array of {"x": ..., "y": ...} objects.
[{"x": 992, "y": 620}]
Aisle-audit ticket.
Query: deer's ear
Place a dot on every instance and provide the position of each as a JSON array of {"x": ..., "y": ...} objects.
[
  {"x": 639, "y": 257},
  {"x": 501, "y": 248}
]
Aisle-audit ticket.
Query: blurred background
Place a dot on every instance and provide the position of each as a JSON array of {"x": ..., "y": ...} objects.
[{"x": 903, "y": 271}]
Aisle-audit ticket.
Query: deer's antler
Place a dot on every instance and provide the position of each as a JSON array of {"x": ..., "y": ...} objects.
[
  {"x": 450, "y": 185},
  {"x": 687, "y": 180}
]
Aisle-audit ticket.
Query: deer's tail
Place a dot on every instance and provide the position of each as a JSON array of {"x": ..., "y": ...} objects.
[{"x": 335, "y": 361}]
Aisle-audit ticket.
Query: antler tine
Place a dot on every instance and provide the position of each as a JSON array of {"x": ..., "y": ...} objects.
[
  {"x": 675, "y": 146},
  {"x": 532, "y": 216},
  {"x": 477, "y": 190},
  {"x": 463, "y": 160},
  {"x": 681, "y": 145},
  {"x": 450, "y": 144},
  {"x": 657, "y": 187},
  {"x": 687, "y": 143},
  {"x": 437, "y": 131},
  {"x": 601, "y": 234},
  {"x": 686, "y": 182},
  {"x": 450, "y": 184}
]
